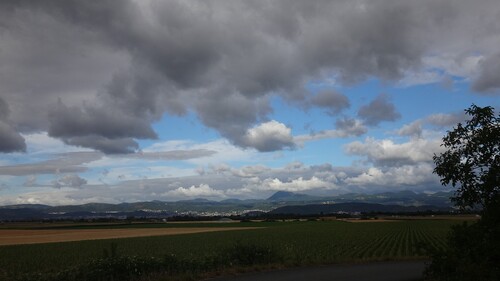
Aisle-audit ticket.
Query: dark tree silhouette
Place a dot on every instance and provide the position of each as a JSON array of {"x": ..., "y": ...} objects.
[
  {"x": 471, "y": 164},
  {"x": 472, "y": 160}
]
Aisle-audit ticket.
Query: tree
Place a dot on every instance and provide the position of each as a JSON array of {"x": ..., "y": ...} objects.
[
  {"x": 472, "y": 160},
  {"x": 471, "y": 164}
]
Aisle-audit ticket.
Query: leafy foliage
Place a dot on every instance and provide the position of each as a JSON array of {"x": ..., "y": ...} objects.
[
  {"x": 472, "y": 164},
  {"x": 472, "y": 254},
  {"x": 472, "y": 160}
]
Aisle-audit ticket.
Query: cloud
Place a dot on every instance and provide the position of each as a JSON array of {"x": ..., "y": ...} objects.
[
  {"x": 438, "y": 121},
  {"x": 69, "y": 180},
  {"x": 232, "y": 114},
  {"x": 31, "y": 181},
  {"x": 414, "y": 129},
  {"x": 418, "y": 176},
  {"x": 106, "y": 145},
  {"x": 4, "y": 109},
  {"x": 386, "y": 153},
  {"x": 221, "y": 151},
  {"x": 295, "y": 185},
  {"x": 64, "y": 163},
  {"x": 41, "y": 143},
  {"x": 332, "y": 101},
  {"x": 488, "y": 80},
  {"x": 445, "y": 120},
  {"x": 346, "y": 127},
  {"x": 10, "y": 139},
  {"x": 172, "y": 155},
  {"x": 202, "y": 190},
  {"x": 378, "y": 110},
  {"x": 269, "y": 136},
  {"x": 350, "y": 127},
  {"x": 119, "y": 66},
  {"x": 249, "y": 171},
  {"x": 256, "y": 181},
  {"x": 460, "y": 65},
  {"x": 100, "y": 128}
]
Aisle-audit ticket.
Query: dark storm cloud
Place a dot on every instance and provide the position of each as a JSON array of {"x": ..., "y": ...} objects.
[
  {"x": 118, "y": 66},
  {"x": 106, "y": 145},
  {"x": 87, "y": 121},
  {"x": 378, "y": 110},
  {"x": 10, "y": 139},
  {"x": 109, "y": 130},
  {"x": 489, "y": 77},
  {"x": 232, "y": 115},
  {"x": 4, "y": 109}
]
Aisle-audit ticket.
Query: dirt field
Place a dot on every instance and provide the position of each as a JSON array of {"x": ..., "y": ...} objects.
[
  {"x": 15, "y": 236},
  {"x": 361, "y": 221}
]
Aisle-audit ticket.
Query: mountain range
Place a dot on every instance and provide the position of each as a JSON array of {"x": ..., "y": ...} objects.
[{"x": 280, "y": 202}]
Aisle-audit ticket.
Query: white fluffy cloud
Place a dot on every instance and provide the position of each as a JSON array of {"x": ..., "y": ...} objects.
[
  {"x": 388, "y": 153},
  {"x": 418, "y": 176},
  {"x": 299, "y": 184},
  {"x": 269, "y": 136},
  {"x": 202, "y": 190}
]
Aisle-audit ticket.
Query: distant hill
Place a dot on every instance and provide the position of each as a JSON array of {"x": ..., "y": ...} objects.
[
  {"x": 317, "y": 209},
  {"x": 23, "y": 206},
  {"x": 280, "y": 201},
  {"x": 290, "y": 196}
]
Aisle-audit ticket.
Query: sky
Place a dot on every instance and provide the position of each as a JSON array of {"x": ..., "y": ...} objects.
[{"x": 125, "y": 101}]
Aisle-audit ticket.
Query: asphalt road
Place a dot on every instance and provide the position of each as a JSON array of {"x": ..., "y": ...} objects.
[{"x": 379, "y": 271}]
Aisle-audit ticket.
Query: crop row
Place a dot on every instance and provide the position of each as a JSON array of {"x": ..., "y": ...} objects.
[{"x": 294, "y": 242}]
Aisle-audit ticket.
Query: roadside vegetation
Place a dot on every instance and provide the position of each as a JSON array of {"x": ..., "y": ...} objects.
[
  {"x": 471, "y": 164},
  {"x": 192, "y": 256}
]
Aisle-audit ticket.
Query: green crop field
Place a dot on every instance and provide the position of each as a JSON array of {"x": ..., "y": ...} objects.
[{"x": 284, "y": 243}]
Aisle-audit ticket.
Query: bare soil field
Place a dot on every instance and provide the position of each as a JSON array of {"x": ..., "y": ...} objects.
[
  {"x": 22, "y": 236},
  {"x": 365, "y": 221},
  {"x": 435, "y": 217}
]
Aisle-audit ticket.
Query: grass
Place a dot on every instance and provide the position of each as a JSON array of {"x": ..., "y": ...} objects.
[{"x": 284, "y": 243}]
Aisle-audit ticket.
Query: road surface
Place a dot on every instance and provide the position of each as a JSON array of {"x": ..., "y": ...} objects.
[{"x": 378, "y": 271}]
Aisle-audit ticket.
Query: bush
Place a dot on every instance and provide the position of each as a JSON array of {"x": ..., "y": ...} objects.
[
  {"x": 113, "y": 267},
  {"x": 472, "y": 253}
]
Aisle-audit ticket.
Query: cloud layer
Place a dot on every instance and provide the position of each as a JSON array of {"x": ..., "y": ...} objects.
[{"x": 97, "y": 75}]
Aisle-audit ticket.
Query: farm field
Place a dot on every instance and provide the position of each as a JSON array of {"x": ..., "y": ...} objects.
[
  {"x": 278, "y": 244},
  {"x": 37, "y": 236}
]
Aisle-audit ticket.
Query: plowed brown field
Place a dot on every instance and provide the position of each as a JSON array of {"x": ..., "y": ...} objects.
[{"x": 14, "y": 236}]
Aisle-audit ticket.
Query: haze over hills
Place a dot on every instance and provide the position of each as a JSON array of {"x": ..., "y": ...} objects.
[{"x": 279, "y": 202}]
